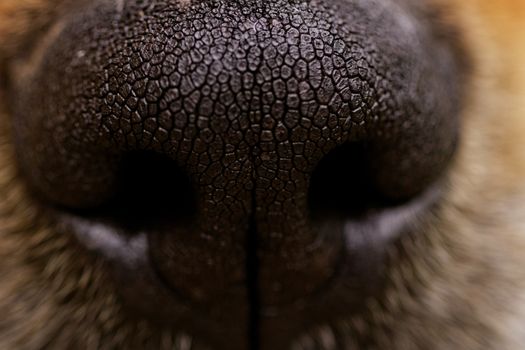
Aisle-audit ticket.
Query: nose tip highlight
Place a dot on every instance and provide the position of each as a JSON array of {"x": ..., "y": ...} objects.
[{"x": 246, "y": 99}]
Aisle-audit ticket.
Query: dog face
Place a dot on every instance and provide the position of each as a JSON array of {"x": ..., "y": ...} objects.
[{"x": 331, "y": 174}]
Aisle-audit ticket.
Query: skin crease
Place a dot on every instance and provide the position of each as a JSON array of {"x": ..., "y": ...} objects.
[{"x": 463, "y": 286}]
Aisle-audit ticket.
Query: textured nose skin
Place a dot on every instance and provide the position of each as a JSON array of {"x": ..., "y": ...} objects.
[{"x": 247, "y": 98}]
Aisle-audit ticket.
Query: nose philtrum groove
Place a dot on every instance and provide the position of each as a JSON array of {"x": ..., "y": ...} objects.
[{"x": 252, "y": 279}]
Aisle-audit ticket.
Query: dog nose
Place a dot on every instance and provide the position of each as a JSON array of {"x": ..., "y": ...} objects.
[{"x": 239, "y": 135}]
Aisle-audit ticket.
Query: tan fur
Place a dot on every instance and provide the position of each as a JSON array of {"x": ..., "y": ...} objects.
[
  {"x": 21, "y": 19},
  {"x": 468, "y": 269}
]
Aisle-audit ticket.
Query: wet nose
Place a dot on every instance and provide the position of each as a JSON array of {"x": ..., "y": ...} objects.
[{"x": 239, "y": 136}]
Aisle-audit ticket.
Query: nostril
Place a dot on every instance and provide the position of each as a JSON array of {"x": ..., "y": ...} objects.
[
  {"x": 343, "y": 185},
  {"x": 348, "y": 193},
  {"x": 151, "y": 191}
]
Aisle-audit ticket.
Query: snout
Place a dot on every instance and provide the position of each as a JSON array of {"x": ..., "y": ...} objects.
[{"x": 241, "y": 164}]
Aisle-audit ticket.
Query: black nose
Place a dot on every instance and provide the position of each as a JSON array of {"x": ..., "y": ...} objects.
[{"x": 240, "y": 136}]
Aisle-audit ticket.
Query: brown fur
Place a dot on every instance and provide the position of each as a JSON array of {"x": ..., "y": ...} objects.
[{"x": 467, "y": 270}]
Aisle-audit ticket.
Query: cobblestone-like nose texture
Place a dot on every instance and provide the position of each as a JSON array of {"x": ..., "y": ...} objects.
[{"x": 246, "y": 97}]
